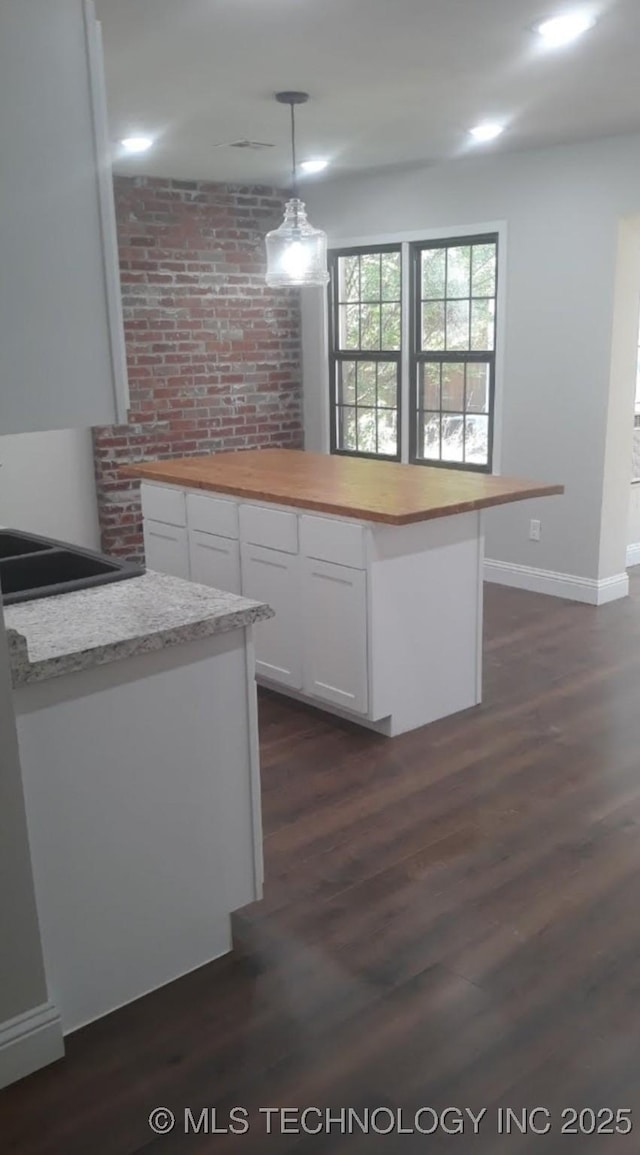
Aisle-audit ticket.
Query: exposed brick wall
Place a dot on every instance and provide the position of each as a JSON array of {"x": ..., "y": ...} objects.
[{"x": 213, "y": 354}]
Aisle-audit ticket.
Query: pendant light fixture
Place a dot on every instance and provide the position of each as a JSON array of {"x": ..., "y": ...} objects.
[{"x": 296, "y": 252}]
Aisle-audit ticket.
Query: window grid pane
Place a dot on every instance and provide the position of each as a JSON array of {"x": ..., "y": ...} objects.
[
  {"x": 367, "y": 429},
  {"x": 367, "y": 406},
  {"x": 369, "y": 302},
  {"x": 453, "y": 403},
  {"x": 452, "y": 301},
  {"x": 457, "y": 294},
  {"x": 453, "y": 356},
  {"x": 367, "y": 325}
]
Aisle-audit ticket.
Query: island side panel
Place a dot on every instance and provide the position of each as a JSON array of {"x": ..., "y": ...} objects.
[
  {"x": 140, "y": 783},
  {"x": 425, "y": 626}
]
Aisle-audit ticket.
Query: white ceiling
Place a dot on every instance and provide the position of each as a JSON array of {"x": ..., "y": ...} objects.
[{"x": 391, "y": 81}]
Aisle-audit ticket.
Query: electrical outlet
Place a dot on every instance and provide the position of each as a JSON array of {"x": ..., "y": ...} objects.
[{"x": 535, "y": 529}]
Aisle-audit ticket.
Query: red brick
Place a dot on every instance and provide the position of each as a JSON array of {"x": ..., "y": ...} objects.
[{"x": 213, "y": 354}]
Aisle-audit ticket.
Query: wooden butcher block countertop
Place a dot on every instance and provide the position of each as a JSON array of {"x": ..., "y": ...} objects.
[{"x": 370, "y": 490}]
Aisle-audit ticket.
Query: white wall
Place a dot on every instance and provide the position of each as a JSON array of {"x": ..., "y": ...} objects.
[
  {"x": 23, "y": 984},
  {"x": 47, "y": 485},
  {"x": 562, "y": 208},
  {"x": 633, "y": 524},
  {"x": 635, "y": 454},
  {"x": 618, "y": 467}
]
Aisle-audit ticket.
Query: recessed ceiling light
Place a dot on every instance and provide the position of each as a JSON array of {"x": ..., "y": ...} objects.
[
  {"x": 488, "y": 131},
  {"x": 311, "y": 166},
  {"x": 563, "y": 29},
  {"x": 134, "y": 144}
]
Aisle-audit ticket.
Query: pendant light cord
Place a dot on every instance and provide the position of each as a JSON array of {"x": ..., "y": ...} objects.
[{"x": 294, "y": 182}]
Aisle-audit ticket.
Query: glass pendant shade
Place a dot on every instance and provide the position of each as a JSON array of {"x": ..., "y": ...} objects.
[{"x": 296, "y": 252}]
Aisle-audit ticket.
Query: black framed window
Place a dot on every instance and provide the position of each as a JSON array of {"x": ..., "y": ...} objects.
[
  {"x": 454, "y": 293},
  {"x": 365, "y": 350}
]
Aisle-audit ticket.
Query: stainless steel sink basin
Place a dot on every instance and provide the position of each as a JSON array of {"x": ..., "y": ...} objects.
[{"x": 38, "y": 567}]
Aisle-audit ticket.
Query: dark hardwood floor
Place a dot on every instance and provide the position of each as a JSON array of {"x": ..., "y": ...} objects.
[{"x": 451, "y": 919}]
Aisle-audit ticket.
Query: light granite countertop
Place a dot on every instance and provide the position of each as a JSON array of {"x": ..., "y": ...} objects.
[{"x": 71, "y": 632}]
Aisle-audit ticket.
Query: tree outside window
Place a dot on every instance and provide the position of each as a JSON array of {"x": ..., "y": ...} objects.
[
  {"x": 365, "y": 351},
  {"x": 452, "y": 311}
]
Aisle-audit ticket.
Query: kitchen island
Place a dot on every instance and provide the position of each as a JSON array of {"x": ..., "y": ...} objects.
[
  {"x": 136, "y": 718},
  {"x": 374, "y": 570}
]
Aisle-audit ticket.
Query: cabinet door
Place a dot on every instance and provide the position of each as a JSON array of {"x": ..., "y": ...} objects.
[
  {"x": 214, "y": 561},
  {"x": 166, "y": 548},
  {"x": 217, "y": 515},
  {"x": 268, "y": 575},
  {"x": 163, "y": 503},
  {"x": 62, "y": 362},
  {"x": 334, "y": 628}
]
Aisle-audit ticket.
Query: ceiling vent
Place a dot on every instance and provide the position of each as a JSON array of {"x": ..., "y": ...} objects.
[{"x": 254, "y": 144}]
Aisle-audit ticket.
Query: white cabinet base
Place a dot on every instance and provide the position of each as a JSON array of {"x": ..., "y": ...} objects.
[
  {"x": 378, "y": 623},
  {"x": 334, "y": 634},
  {"x": 424, "y": 629},
  {"x": 277, "y": 641},
  {"x": 425, "y": 626},
  {"x": 143, "y": 803},
  {"x": 379, "y": 725}
]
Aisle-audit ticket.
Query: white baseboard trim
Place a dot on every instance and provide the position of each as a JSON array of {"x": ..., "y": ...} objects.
[
  {"x": 559, "y": 585},
  {"x": 28, "y": 1042},
  {"x": 633, "y": 554}
]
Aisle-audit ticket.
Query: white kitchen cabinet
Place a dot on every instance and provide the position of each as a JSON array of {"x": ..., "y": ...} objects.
[
  {"x": 273, "y": 528},
  {"x": 208, "y": 514},
  {"x": 272, "y": 576},
  {"x": 62, "y": 358},
  {"x": 142, "y": 788},
  {"x": 334, "y": 634},
  {"x": 162, "y": 503},
  {"x": 179, "y": 537},
  {"x": 378, "y": 623},
  {"x": 327, "y": 539},
  {"x": 166, "y": 548},
  {"x": 215, "y": 561}
]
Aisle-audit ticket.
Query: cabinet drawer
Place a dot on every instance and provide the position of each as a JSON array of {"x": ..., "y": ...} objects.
[
  {"x": 212, "y": 515},
  {"x": 166, "y": 548},
  {"x": 214, "y": 561},
  {"x": 342, "y": 542},
  {"x": 273, "y": 528},
  {"x": 162, "y": 504}
]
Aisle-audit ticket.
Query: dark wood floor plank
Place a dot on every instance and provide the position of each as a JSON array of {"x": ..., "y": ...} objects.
[{"x": 450, "y": 917}]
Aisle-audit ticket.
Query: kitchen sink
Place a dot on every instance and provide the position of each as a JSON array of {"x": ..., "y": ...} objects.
[
  {"x": 16, "y": 544},
  {"x": 38, "y": 567}
]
